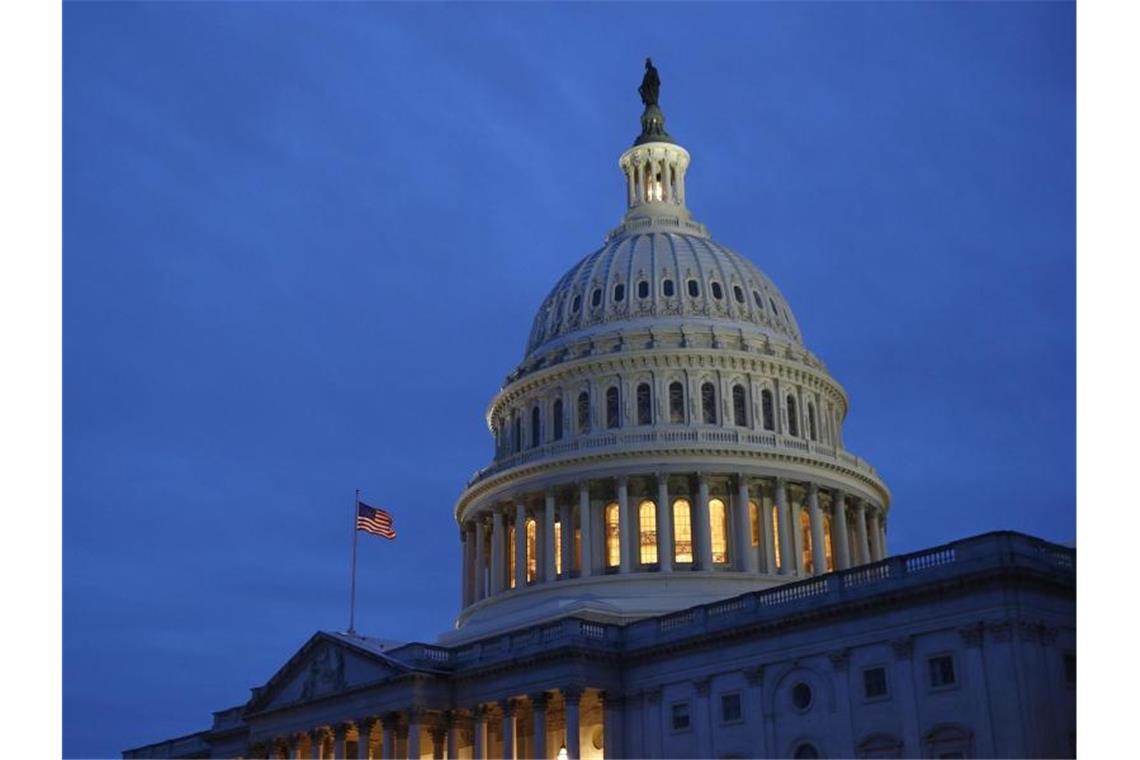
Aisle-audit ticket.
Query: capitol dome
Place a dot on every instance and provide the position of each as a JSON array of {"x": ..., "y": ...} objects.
[{"x": 667, "y": 439}]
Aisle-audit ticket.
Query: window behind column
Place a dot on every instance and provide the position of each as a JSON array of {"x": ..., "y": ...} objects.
[
  {"x": 767, "y": 409},
  {"x": 811, "y": 422},
  {"x": 676, "y": 403},
  {"x": 754, "y": 521},
  {"x": 584, "y": 412},
  {"x": 556, "y": 420},
  {"x": 739, "y": 408},
  {"x": 708, "y": 403},
  {"x": 793, "y": 420},
  {"x": 647, "y": 531},
  {"x": 535, "y": 427},
  {"x": 613, "y": 534},
  {"x": 776, "y": 534},
  {"x": 613, "y": 408},
  {"x": 682, "y": 531},
  {"x": 805, "y": 543},
  {"x": 531, "y": 553},
  {"x": 511, "y": 556},
  {"x": 644, "y": 405},
  {"x": 718, "y": 530},
  {"x": 558, "y": 547},
  {"x": 827, "y": 542}
]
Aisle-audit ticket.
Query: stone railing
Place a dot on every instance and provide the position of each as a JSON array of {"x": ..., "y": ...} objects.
[
  {"x": 968, "y": 557},
  {"x": 632, "y": 440}
]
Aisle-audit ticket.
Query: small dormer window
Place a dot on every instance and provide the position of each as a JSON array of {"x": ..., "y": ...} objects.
[
  {"x": 643, "y": 289},
  {"x": 596, "y": 298},
  {"x": 619, "y": 293},
  {"x": 694, "y": 288},
  {"x": 759, "y": 301},
  {"x": 738, "y": 293},
  {"x": 667, "y": 288},
  {"x": 717, "y": 291}
]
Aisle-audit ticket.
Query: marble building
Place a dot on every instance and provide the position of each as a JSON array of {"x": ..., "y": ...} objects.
[{"x": 673, "y": 553}]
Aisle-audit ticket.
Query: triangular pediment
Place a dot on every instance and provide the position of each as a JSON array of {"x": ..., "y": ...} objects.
[{"x": 327, "y": 664}]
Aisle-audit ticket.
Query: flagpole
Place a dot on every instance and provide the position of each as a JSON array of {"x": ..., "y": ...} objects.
[{"x": 352, "y": 586}]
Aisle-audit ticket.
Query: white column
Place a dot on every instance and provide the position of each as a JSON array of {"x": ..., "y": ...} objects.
[
  {"x": 876, "y": 543},
  {"x": 468, "y": 575},
  {"x": 766, "y": 532},
  {"x": 839, "y": 535},
  {"x": 783, "y": 513},
  {"x": 316, "y": 743},
  {"x": 702, "y": 535},
  {"x": 566, "y": 511},
  {"x": 520, "y": 545},
  {"x": 666, "y": 192},
  {"x": 664, "y": 525},
  {"x": 573, "y": 698},
  {"x": 626, "y": 526},
  {"x": 818, "y": 555},
  {"x": 510, "y": 723},
  {"x": 451, "y": 725},
  {"x": 584, "y": 518},
  {"x": 639, "y": 181},
  {"x": 630, "y": 189},
  {"x": 538, "y": 718},
  {"x": 548, "y": 548},
  {"x": 480, "y": 558},
  {"x": 364, "y": 738},
  {"x": 861, "y": 532},
  {"x": 498, "y": 551},
  {"x": 479, "y": 751},
  {"x": 883, "y": 534},
  {"x": 745, "y": 559}
]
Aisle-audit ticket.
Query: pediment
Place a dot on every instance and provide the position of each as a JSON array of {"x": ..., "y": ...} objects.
[{"x": 324, "y": 666}]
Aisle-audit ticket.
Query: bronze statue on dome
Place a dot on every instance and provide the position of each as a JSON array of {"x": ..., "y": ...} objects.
[{"x": 650, "y": 84}]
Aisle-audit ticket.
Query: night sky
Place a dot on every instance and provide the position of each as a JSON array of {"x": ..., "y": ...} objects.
[{"x": 303, "y": 245}]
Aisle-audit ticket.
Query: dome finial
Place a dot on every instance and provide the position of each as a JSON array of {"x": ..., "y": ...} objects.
[{"x": 652, "y": 120}]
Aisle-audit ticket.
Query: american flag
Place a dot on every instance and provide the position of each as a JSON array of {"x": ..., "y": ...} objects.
[{"x": 374, "y": 521}]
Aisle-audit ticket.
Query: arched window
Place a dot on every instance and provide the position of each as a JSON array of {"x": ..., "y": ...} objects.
[
  {"x": 793, "y": 419},
  {"x": 694, "y": 288},
  {"x": 516, "y": 440},
  {"x": 647, "y": 531},
  {"x": 739, "y": 410},
  {"x": 596, "y": 298},
  {"x": 717, "y": 291},
  {"x": 556, "y": 414},
  {"x": 754, "y": 522},
  {"x": 531, "y": 546},
  {"x": 827, "y": 542},
  {"x": 755, "y": 297},
  {"x": 613, "y": 408},
  {"x": 576, "y": 304},
  {"x": 643, "y": 289},
  {"x": 535, "y": 429},
  {"x": 511, "y": 556},
  {"x": 619, "y": 293},
  {"x": 667, "y": 288},
  {"x": 708, "y": 403},
  {"x": 738, "y": 293},
  {"x": 806, "y": 751},
  {"x": 683, "y": 531},
  {"x": 613, "y": 535},
  {"x": 767, "y": 410},
  {"x": 583, "y": 412},
  {"x": 811, "y": 421},
  {"x": 644, "y": 405},
  {"x": 805, "y": 543},
  {"x": 776, "y": 534},
  {"x": 676, "y": 403},
  {"x": 718, "y": 531}
]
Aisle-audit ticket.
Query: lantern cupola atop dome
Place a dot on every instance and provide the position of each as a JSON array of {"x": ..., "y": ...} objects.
[{"x": 655, "y": 166}]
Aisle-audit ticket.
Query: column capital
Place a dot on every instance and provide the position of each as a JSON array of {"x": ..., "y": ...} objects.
[
  {"x": 621, "y": 480},
  {"x": 838, "y": 495},
  {"x": 611, "y": 698},
  {"x": 539, "y": 699},
  {"x": 481, "y": 713},
  {"x": 812, "y": 488},
  {"x": 702, "y": 478},
  {"x": 510, "y": 706},
  {"x": 416, "y": 713},
  {"x": 572, "y": 693}
]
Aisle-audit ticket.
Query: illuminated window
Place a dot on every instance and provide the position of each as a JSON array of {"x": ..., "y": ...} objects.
[
  {"x": 584, "y": 412},
  {"x": 510, "y": 556},
  {"x": 717, "y": 291},
  {"x": 793, "y": 421},
  {"x": 694, "y": 288},
  {"x": 767, "y": 410},
  {"x": 805, "y": 542},
  {"x": 676, "y": 402},
  {"x": 718, "y": 530},
  {"x": 708, "y": 403},
  {"x": 531, "y": 546},
  {"x": 558, "y": 547},
  {"x": 754, "y": 521},
  {"x": 683, "y": 531},
  {"x": 535, "y": 429},
  {"x": 776, "y": 534},
  {"x": 644, "y": 405},
  {"x": 827, "y": 543},
  {"x": 613, "y": 408},
  {"x": 739, "y": 410},
  {"x": 647, "y": 531},
  {"x": 667, "y": 288},
  {"x": 643, "y": 289},
  {"x": 613, "y": 535},
  {"x": 556, "y": 413},
  {"x": 811, "y": 421}
]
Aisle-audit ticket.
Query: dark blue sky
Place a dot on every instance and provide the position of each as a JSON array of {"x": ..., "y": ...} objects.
[{"x": 303, "y": 245}]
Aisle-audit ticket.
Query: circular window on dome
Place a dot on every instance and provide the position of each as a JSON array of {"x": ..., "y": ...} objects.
[
  {"x": 596, "y": 298},
  {"x": 576, "y": 304},
  {"x": 718, "y": 292},
  {"x": 643, "y": 289},
  {"x": 694, "y": 288},
  {"x": 738, "y": 293},
  {"x": 801, "y": 696},
  {"x": 667, "y": 288}
]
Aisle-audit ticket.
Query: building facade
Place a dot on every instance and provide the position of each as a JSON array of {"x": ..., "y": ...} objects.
[{"x": 673, "y": 554}]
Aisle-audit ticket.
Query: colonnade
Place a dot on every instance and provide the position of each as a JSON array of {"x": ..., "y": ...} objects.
[
  {"x": 664, "y": 523},
  {"x": 553, "y": 720}
]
